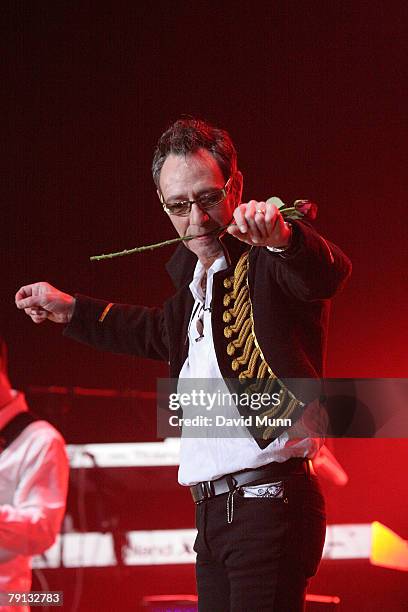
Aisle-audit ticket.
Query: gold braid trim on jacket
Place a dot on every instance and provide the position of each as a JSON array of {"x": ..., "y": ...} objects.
[{"x": 246, "y": 357}]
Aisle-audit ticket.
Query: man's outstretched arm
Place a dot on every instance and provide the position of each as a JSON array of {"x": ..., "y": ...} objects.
[{"x": 118, "y": 328}]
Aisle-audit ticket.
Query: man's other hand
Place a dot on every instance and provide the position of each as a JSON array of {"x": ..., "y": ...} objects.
[
  {"x": 260, "y": 224},
  {"x": 42, "y": 301}
]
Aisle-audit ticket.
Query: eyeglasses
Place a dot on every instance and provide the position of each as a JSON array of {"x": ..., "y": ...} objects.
[{"x": 205, "y": 201}]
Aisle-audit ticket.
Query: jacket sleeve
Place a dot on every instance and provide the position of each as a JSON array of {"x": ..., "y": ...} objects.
[
  {"x": 119, "y": 328},
  {"x": 312, "y": 268}
]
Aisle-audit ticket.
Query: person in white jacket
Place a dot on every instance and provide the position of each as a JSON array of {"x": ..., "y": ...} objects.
[{"x": 33, "y": 488}]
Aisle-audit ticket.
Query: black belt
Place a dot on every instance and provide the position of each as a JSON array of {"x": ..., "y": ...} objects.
[{"x": 211, "y": 488}]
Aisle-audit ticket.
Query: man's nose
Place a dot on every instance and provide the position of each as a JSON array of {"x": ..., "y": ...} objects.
[{"x": 198, "y": 216}]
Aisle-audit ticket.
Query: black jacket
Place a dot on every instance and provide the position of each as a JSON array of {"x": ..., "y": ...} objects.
[{"x": 290, "y": 299}]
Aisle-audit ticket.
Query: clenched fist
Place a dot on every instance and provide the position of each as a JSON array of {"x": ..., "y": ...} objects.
[
  {"x": 260, "y": 224},
  {"x": 42, "y": 301}
]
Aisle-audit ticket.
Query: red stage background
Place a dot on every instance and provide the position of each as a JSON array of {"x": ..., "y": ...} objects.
[{"x": 314, "y": 95}]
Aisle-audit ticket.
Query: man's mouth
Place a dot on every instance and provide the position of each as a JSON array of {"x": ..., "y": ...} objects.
[{"x": 205, "y": 237}]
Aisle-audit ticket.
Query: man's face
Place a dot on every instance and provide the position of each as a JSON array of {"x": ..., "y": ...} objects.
[{"x": 186, "y": 178}]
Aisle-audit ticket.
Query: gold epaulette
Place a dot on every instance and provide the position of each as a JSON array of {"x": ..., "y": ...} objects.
[{"x": 245, "y": 355}]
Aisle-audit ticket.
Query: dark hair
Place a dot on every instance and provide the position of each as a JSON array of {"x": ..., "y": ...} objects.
[{"x": 187, "y": 136}]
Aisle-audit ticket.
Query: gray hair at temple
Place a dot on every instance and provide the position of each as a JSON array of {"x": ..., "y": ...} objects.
[{"x": 187, "y": 136}]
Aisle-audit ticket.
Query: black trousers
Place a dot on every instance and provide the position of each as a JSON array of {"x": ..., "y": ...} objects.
[{"x": 262, "y": 560}]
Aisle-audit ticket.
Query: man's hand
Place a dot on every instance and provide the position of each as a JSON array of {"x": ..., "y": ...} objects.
[
  {"x": 260, "y": 224},
  {"x": 42, "y": 301}
]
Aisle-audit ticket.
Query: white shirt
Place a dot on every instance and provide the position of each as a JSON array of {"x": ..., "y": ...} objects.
[
  {"x": 33, "y": 489},
  {"x": 210, "y": 456}
]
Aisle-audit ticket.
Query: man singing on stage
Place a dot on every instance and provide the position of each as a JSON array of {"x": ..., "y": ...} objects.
[{"x": 251, "y": 302}]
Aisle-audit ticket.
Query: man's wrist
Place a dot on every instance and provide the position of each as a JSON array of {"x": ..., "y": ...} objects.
[
  {"x": 283, "y": 248},
  {"x": 71, "y": 308}
]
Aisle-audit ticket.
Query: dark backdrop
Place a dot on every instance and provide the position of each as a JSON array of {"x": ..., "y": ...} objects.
[{"x": 314, "y": 95}]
